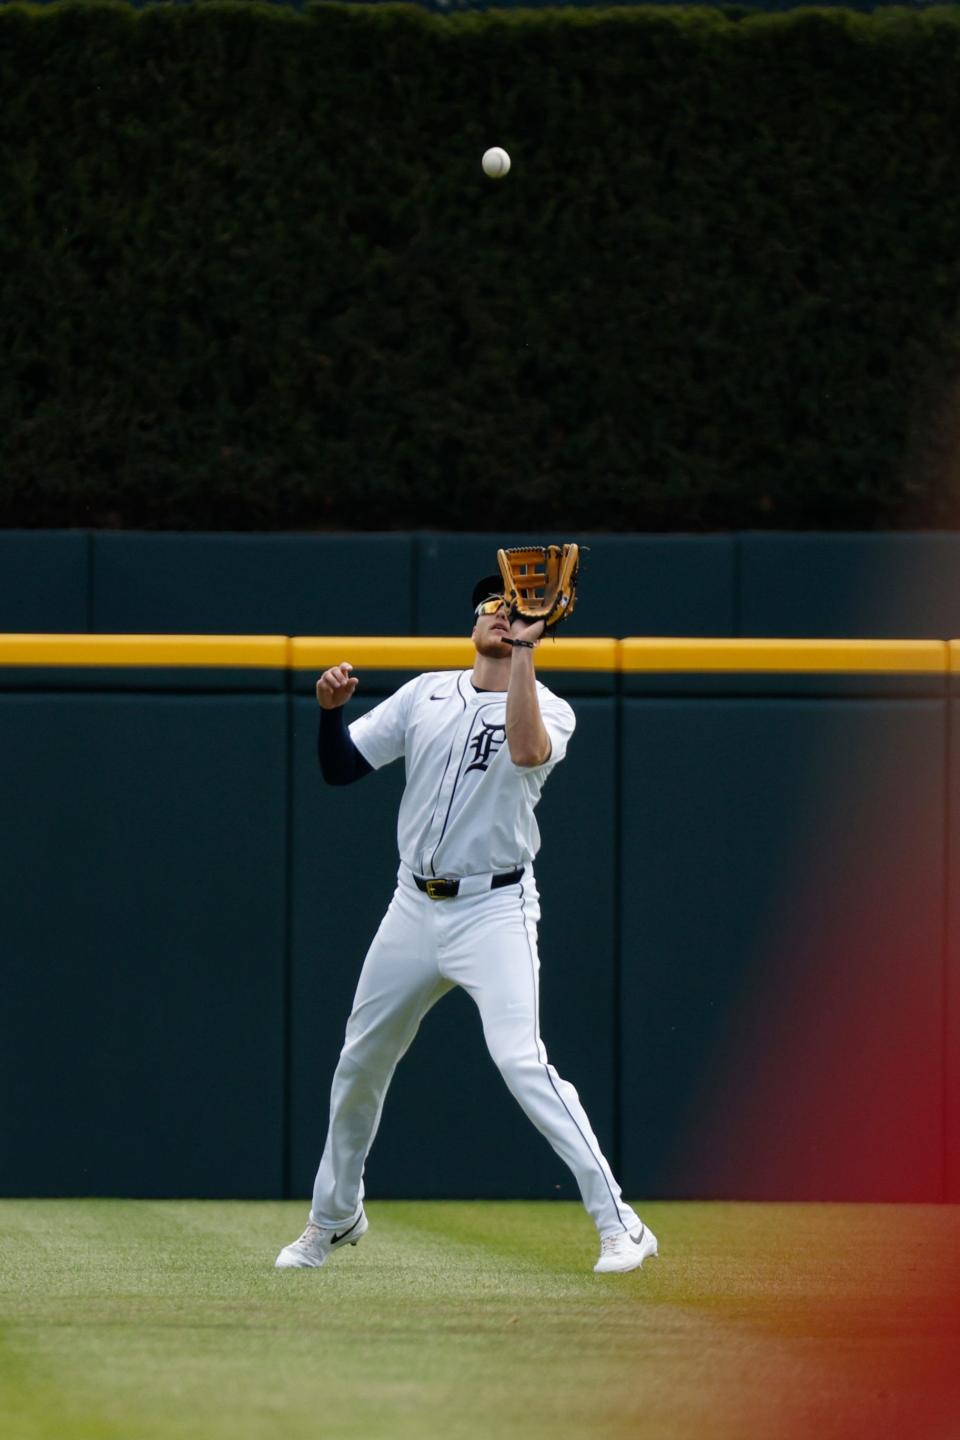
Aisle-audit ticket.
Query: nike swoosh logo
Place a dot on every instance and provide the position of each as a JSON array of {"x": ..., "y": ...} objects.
[
  {"x": 638, "y": 1239},
  {"x": 335, "y": 1239},
  {"x": 438, "y": 697}
]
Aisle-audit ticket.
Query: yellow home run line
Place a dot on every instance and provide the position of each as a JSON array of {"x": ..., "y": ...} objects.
[
  {"x": 402, "y": 652},
  {"x": 928, "y": 657},
  {"x": 261, "y": 652},
  {"x": 634, "y": 655}
]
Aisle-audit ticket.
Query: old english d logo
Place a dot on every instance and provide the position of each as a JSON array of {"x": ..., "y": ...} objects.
[{"x": 485, "y": 745}]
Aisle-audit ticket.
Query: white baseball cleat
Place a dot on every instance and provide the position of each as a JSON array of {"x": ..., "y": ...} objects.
[
  {"x": 315, "y": 1244},
  {"x": 625, "y": 1251}
]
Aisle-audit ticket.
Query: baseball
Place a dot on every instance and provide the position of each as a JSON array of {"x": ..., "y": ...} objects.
[{"x": 495, "y": 162}]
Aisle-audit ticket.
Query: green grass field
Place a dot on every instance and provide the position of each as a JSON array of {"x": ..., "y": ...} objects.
[{"x": 142, "y": 1320}]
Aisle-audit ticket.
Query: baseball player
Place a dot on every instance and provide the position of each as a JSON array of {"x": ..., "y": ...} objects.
[{"x": 478, "y": 746}]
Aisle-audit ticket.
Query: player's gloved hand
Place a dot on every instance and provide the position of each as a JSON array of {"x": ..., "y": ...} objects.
[
  {"x": 540, "y": 581},
  {"x": 336, "y": 686}
]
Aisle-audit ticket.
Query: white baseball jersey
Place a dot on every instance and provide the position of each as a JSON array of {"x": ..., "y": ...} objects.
[{"x": 467, "y": 808}]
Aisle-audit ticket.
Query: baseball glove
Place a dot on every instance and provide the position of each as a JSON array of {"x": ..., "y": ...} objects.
[{"x": 540, "y": 581}]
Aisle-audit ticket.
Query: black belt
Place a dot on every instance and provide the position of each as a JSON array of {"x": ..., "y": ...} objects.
[{"x": 441, "y": 889}]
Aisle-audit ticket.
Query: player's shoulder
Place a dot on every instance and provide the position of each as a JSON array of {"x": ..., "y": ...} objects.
[
  {"x": 434, "y": 685},
  {"x": 546, "y": 696}
]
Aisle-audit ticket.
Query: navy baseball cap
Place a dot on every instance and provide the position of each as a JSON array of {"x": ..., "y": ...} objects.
[{"x": 489, "y": 585}]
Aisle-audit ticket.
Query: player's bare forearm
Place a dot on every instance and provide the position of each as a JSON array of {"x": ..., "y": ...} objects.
[{"x": 527, "y": 737}]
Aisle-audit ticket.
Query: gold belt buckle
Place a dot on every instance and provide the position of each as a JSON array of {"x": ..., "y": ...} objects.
[{"x": 435, "y": 890}]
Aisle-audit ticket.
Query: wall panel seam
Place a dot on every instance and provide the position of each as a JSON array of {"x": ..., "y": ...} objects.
[
  {"x": 91, "y": 588},
  {"x": 286, "y": 1147},
  {"x": 617, "y": 924},
  {"x": 947, "y": 919}
]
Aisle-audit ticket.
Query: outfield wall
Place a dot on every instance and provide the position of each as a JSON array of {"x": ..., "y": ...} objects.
[
  {"x": 750, "y": 949},
  {"x": 832, "y": 585}
]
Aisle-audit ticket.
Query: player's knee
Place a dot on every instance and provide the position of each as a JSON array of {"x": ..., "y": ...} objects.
[
  {"x": 515, "y": 1066},
  {"x": 356, "y": 1069}
]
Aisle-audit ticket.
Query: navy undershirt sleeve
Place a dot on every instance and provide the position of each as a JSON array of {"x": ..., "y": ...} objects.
[{"x": 340, "y": 761}]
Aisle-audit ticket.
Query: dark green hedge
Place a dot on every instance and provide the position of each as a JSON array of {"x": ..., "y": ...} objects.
[{"x": 251, "y": 274}]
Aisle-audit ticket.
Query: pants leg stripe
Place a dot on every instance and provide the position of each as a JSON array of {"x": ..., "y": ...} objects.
[{"x": 538, "y": 1043}]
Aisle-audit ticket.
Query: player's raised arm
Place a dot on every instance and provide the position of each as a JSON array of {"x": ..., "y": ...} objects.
[
  {"x": 539, "y": 591},
  {"x": 527, "y": 736}
]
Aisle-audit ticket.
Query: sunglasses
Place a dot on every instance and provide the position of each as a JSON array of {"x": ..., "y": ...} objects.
[{"x": 490, "y": 606}]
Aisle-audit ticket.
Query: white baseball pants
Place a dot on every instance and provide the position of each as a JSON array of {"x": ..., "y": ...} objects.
[{"x": 486, "y": 943}]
